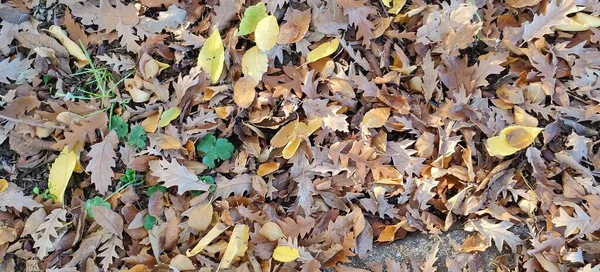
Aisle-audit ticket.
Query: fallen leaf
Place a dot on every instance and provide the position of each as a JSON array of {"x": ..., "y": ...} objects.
[
  {"x": 207, "y": 239},
  {"x": 60, "y": 173},
  {"x": 212, "y": 56},
  {"x": 254, "y": 63},
  {"x": 285, "y": 254},
  {"x": 169, "y": 115},
  {"x": 237, "y": 246},
  {"x": 374, "y": 118},
  {"x": 266, "y": 33},
  {"x": 102, "y": 161},
  {"x": 512, "y": 139},
  {"x": 323, "y": 50},
  {"x": 252, "y": 16},
  {"x": 271, "y": 231},
  {"x": 243, "y": 91}
]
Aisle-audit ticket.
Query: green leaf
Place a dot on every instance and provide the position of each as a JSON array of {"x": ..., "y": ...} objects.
[
  {"x": 209, "y": 180},
  {"x": 155, "y": 188},
  {"x": 149, "y": 222},
  {"x": 252, "y": 16},
  {"x": 119, "y": 126},
  {"x": 96, "y": 201},
  {"x": 137, "y": 137},
  {"x": 214, "y": 149},
  {"x": 169, "y": 115},
  {"x": 130, "y": 176}
]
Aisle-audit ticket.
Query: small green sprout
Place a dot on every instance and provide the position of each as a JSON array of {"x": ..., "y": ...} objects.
[{"x": 214, "y": 149}]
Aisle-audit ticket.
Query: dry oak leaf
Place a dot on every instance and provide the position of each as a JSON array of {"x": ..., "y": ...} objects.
[
  {"x": 296, "y": 228},
  {"x": 374, "y": 118},
  {"x": 13, "y": 197},
  {"x": 103, "y": 160},
  {"x": 46, "y": 234},
  {"x": 556, "y": 14},
  {"x": 109, "y": 220},
  {"x": 106, "y": 16},
  {"x": 174, "y": 174},
  {"x": 498, "y": 232}
]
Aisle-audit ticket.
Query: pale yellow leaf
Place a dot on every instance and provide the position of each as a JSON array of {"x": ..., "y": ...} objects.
[
  {"x": 243, "y": 91},
  {"x": 207, "y": 239},
  {"x": 60, "y": 173},
  {"x": 271, "y": 231},
  {"x": 266, "y": 33},
  {"x": 212, "y": 56},
  {"x": 373, "y": 119},
  {"x": 238, "y": 244},
  {"x": 512, "y": 139},
  {"x": 323, "y": 50},
  {"x": 285, "y": 254},
  {"x": 254, "y": 63},
  {"x": 72, "y": 47},
  {"x": 201, "y": 217},
  {"x": 169, "y": 115}
]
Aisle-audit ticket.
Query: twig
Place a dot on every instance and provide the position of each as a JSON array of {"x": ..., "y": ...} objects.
[{"x": 29, "y": 122}]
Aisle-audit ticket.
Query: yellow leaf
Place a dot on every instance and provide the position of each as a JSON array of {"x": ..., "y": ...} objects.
[
  {"x": 291, "y": 148},
  {"x": 60, "y": 173},
  {"x": 169, "y": 115},
  {"x": 373, "y": 119},
  {"x": 207, "y": 239},
  {"x": 267, "y": 168},
  {"x": 285, "y": 134},
  {"x": 70, "y": 45},
  {"x": 512, "y": 139},
  {"x": 266, "y": 33},
  {"x": 150, "y": 124},
  {"x": 323, "y": 50},
  {"x": 243, "y": 91},
  {"x": 212, "y": 56},
  {"x": 271, "y": 231},
  {"x": 238, "y": 244},
  {"x": 285, "y": 254},
  {"x": 3, "y": 185},
  {"x": 254, "y": 63}
]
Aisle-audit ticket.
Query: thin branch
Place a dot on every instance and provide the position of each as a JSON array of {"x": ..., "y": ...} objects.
[{"x": 30, "y": 123}]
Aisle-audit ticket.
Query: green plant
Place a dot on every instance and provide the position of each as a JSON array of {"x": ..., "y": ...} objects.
[
  {"x": 156, "y": 188},
  {"x": 149, "y": 222},
  {"x": 130, "y": 178},
  {"x": 119, "y": 126},
  {"x": 210, "y": 181},
  {"x": 137, "y": 137},
  {"x": 46, "y": 194},
  {"x": 214, "y": 149}
]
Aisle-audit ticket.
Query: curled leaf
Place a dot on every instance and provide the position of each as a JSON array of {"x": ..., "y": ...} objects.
[
  {"x": 70, "y": 45},
  {"x": 512, "y": 139},
  {"x": 207, "y": 239},
  {"x": 271, "y": 231}
]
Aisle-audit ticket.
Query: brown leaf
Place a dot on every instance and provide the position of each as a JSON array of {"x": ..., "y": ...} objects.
[
  {"x": 243, "y": 91},
  {"x": 103, "y": 160},
  {"x": 108, "y": 219}
]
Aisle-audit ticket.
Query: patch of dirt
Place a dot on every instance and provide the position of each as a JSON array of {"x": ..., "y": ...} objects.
[{"x": 417, "y": 245}]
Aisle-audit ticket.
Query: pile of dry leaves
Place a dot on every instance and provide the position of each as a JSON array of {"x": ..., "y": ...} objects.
[{"x": 293, "y": 135}]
